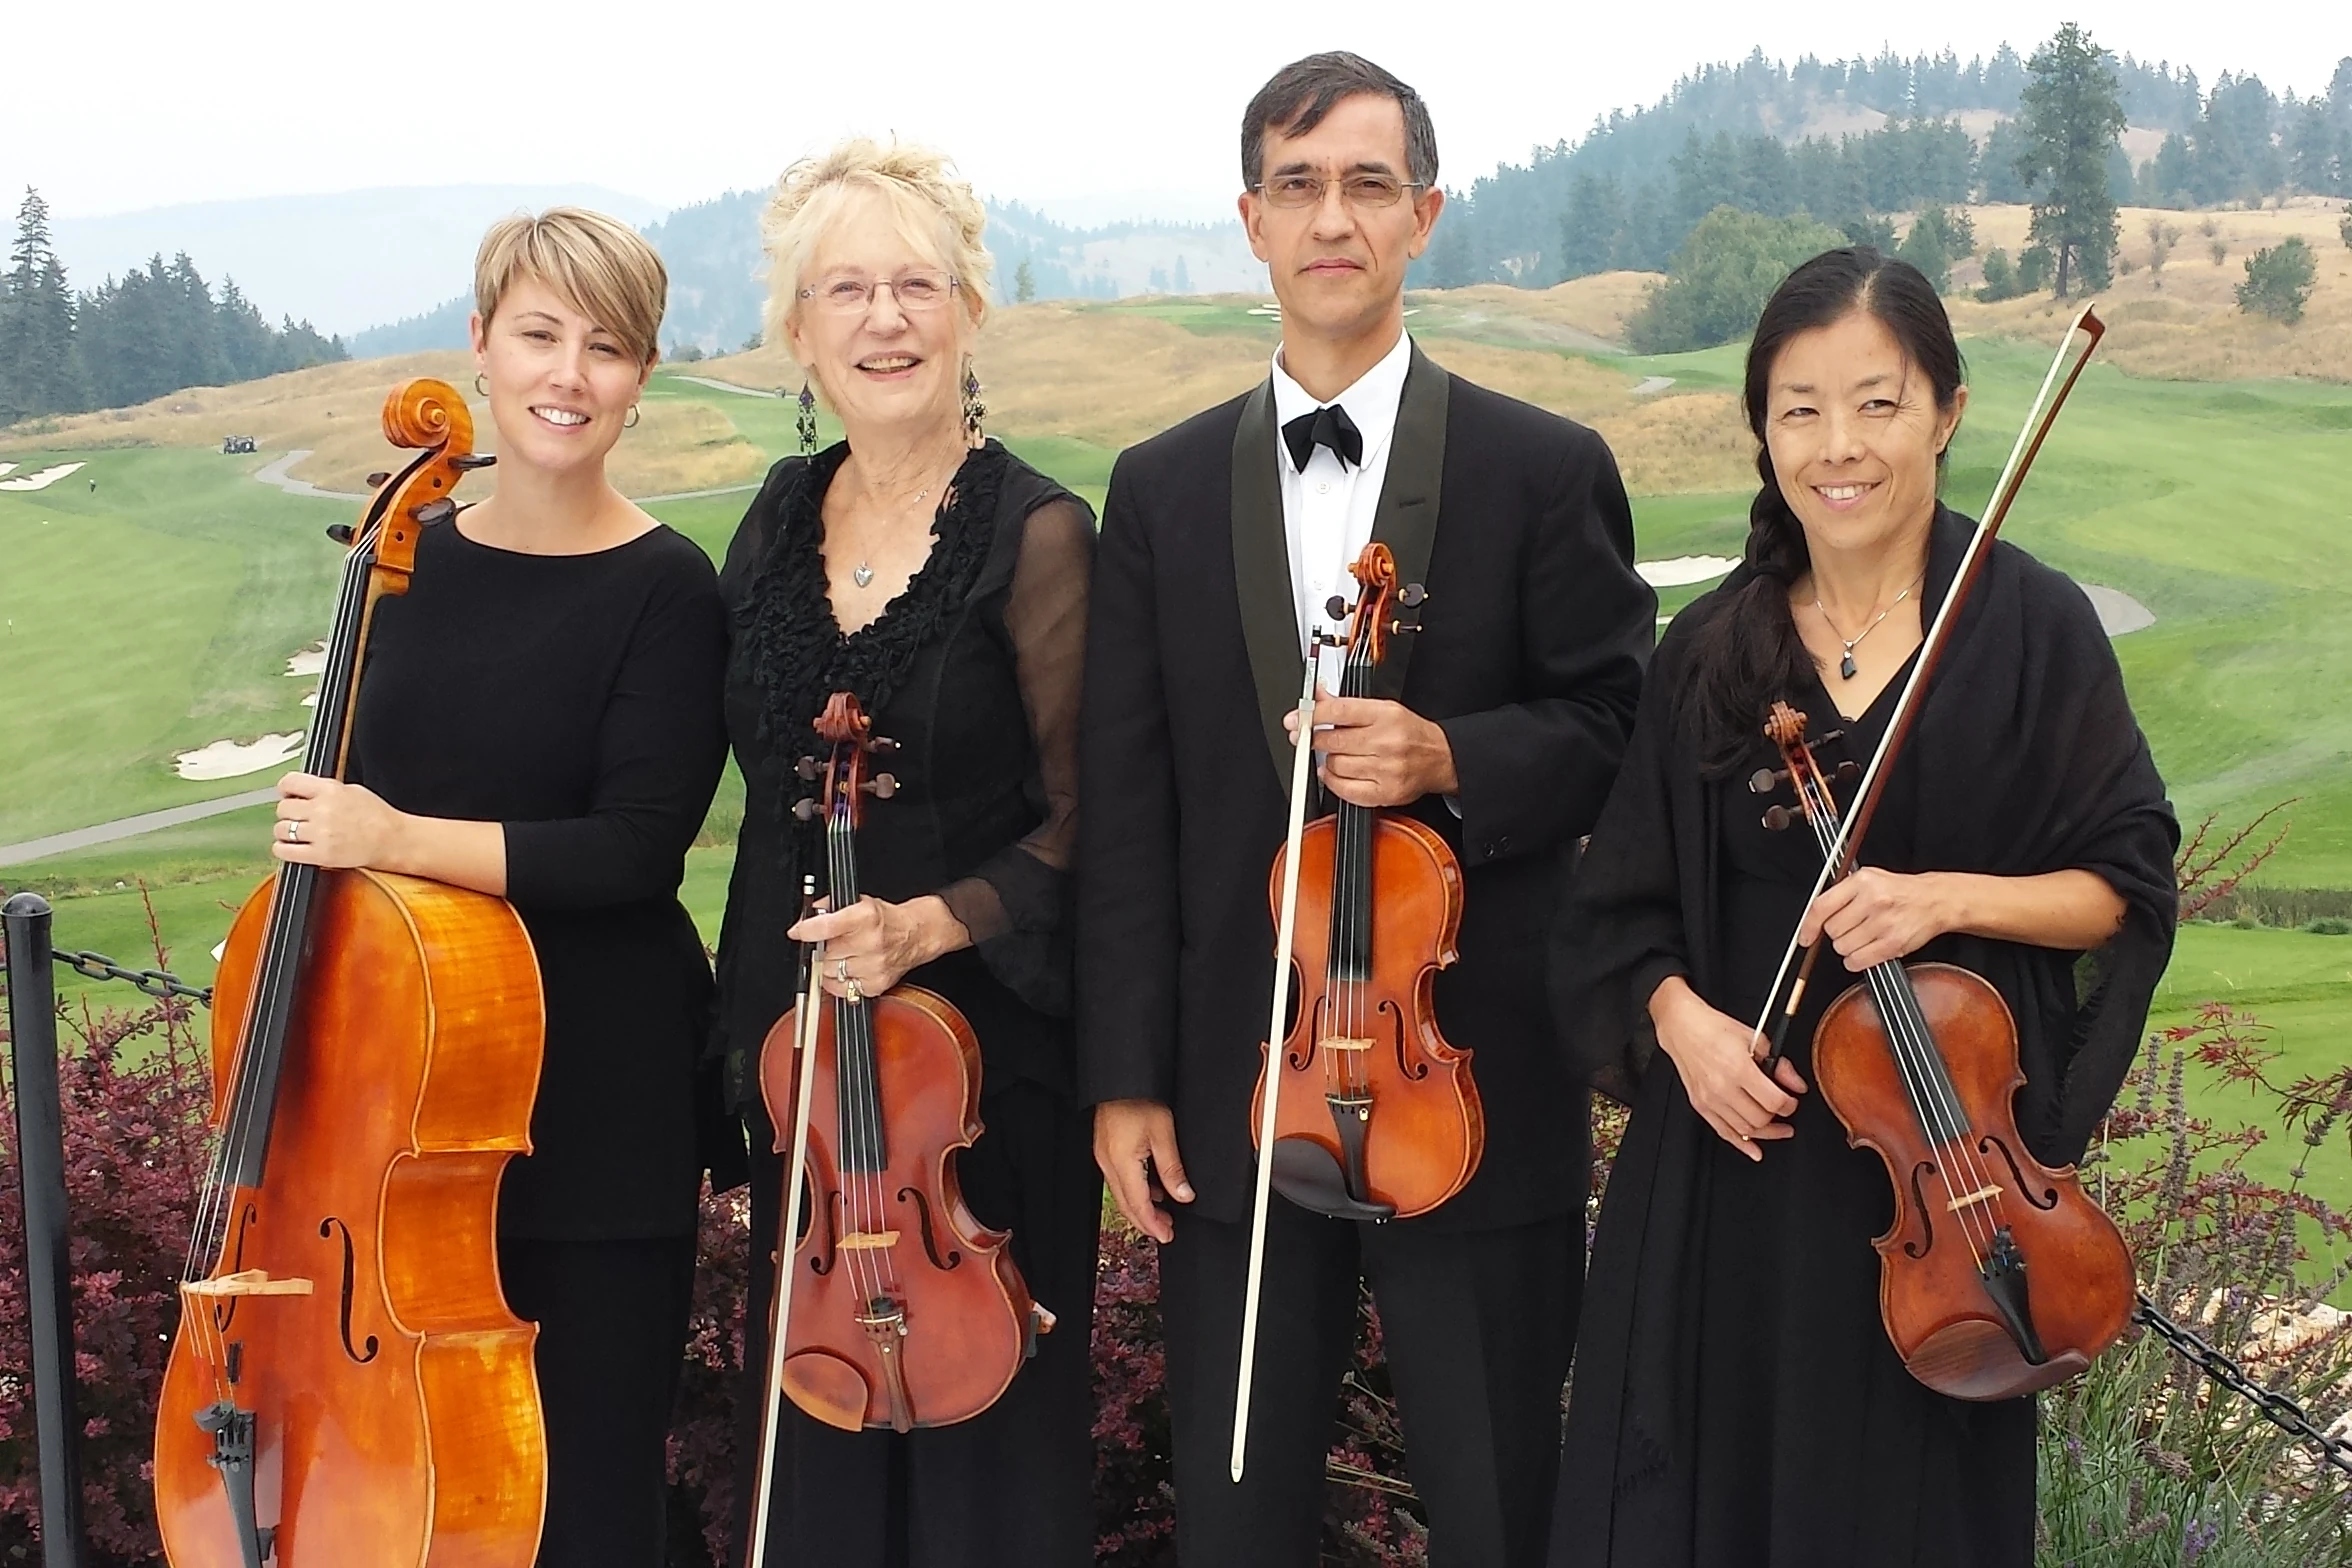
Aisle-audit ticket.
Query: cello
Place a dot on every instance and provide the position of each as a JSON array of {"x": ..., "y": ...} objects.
[
  {"x": 347, "y": 1386},
  {"x": 895, "y": 1307},
  {"x": 1367, "y": 1111},
  {"x": 1999, "y": 1276}
]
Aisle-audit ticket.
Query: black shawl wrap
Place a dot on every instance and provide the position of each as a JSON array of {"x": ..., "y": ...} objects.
[{"x": 2025, "y": 759}]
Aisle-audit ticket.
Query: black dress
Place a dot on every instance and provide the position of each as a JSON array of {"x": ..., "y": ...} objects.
[
  {"x": 1735, "y": 1401},
  {"x": 974, "y": 670},
  {"x": 575, "y": 699}
]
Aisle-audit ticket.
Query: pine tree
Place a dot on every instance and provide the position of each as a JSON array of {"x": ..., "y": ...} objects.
[
  {"x": 1024, "y": 283},
  {"x": 37, "y": 371},
  {"x": 2071, "y": 116}
]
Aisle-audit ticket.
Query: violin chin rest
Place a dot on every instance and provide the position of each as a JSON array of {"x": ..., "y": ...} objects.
[
  {"x": 1310, "y": 1176},
  {"x": 828, "y": 1388},
  {"x": 1975, "y": 1359}
]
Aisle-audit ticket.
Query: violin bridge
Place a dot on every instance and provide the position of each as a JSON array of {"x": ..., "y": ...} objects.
[
  {"x": 1984, "y": 1194},
  {"x": 249, "y": 1282},
  {"x": 1344, "y": 1042},
  {"x": 868, "y": 1241}
]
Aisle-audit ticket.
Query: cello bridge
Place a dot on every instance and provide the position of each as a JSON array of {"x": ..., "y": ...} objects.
[
  {"x": 248, "y": 1282},
  {"x": 1345, "y": 1042},
  {"x": 868, "y": 1241},
  {"x": 1984, "y": 1194}
]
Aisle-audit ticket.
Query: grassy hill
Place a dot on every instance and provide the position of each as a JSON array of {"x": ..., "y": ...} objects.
[{"x": 158, "y": 612}]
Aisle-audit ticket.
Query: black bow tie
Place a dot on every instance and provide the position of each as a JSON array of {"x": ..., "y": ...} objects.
[{"x": 1326, "y": 426}]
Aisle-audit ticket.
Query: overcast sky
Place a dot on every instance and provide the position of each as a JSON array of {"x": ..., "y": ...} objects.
[{"x": 1082, "y": 106}]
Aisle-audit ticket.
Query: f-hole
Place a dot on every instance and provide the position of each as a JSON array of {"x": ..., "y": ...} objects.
[
  {"x": 1309, "y": 1040},
  {"x": 224, "y": 1311},
  {"x": 1921, "y": 1248},
  {"x": 2047, "y": 1198},
  {"x": 821, "y": 1263},
  {"x": 1411, "y": 1066},
  {"x": 953, "y": 1258},
  {"x": 331, "y": 1226}
]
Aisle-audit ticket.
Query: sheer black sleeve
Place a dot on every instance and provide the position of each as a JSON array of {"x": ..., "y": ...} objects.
[{"x": 1016, "y": 905}]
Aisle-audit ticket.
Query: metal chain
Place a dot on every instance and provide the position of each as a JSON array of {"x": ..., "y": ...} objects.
[
  {"x": 2278, "y": 1409},
  {"x": 158, "y": 983}
]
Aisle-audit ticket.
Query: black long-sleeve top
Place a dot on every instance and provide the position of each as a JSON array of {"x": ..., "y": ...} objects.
[
  {"x": 576, "y": 700},
  {"x": 974, "y": 671}
]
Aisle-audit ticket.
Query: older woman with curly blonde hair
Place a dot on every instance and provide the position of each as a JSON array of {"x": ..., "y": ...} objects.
[{"x": 921, "y": 566}]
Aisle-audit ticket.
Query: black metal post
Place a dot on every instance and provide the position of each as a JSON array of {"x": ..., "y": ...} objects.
[{"x": 40, "y": 1167}]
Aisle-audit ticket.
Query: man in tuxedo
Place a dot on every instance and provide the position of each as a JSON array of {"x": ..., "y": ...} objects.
[{"x": 1500, "y": 724}]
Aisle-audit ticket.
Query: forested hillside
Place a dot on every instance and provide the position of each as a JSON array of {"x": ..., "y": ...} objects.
[
  {"x": 157, "y": 329},
  {"x": 1848, "y": 141}
]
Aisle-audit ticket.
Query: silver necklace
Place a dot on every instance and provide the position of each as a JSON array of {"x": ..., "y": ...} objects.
[
  {"x": 1846, "y": 667},
  {"x": 863, "y": 573}
]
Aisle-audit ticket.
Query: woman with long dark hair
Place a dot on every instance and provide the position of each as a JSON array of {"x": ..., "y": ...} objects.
[{"x": 1736, "y": 1402}]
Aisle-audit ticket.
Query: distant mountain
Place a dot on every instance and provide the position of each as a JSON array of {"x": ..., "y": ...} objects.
[
  {"x": 718, "y": 271},
  {"x": 342, "y": 261}
]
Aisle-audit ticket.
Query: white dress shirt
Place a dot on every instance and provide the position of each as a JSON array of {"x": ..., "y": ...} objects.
[{"x": 1328, "y": 507}]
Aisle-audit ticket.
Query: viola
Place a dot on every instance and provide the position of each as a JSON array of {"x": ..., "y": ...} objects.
[
  {"x": 1368, "y": 1111},
  {"x": 1999, "y": 1275},
  {"x": 895, "y": 1307},
  {"x": 347, "y": 1386}
]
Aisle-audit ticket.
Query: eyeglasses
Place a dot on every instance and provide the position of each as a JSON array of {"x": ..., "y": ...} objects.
[
  {"x": 918, "y": 289},
  {"x": 1358, "y": 190}
]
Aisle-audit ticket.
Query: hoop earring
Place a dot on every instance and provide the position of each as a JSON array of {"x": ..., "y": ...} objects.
[
  {"x": 805, "y": 422},
  {"x": 974, "y": 410},
  {"x": 481, "y": 387},
  {"x": 630, "y": 422}
]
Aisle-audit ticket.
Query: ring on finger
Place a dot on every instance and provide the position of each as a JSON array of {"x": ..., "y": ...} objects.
[
  {"x": 841, "y": 970},
  {"x": 293, "y": 831},
  {"x": 852, "y": 991}
]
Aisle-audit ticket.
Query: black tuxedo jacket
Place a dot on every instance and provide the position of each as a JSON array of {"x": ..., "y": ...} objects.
[{"x": 1534, "y": 637}]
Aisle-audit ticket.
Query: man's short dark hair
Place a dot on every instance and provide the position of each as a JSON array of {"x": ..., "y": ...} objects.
[{"x": 1299, "y": 95}]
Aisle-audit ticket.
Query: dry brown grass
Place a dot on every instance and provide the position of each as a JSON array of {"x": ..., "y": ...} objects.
[
  {"x": 1682, "y": 445},
  {"x": 2190, "y": 327},
  {"x": 332, "y": 411}
]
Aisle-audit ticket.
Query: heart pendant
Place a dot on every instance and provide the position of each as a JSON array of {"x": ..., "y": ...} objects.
[{"x": 863, "y": 576}]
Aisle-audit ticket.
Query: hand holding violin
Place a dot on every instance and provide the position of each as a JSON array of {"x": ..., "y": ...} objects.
[
  {"x": 1715, "y": 1056},
  {"x": 1379, "y": 753},
  {"x": 873, "y": 944}
]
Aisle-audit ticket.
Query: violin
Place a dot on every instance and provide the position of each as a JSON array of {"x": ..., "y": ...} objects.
[
  {"x": 1367, "y": 1111},
  {"x": 347, "y": 1386},
  {"x": 2000, "y": 1275},
  {"x": 895, "y": 1307}
]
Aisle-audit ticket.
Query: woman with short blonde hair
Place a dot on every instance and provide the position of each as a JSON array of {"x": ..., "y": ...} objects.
[
  {"x": 540, "y": 719},
  {"x": 921, "y": 566}
]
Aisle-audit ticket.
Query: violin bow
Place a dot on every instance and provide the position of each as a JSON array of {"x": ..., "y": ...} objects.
[
  {"x": 2066, "y": 368},
  {"x": 1302, "y": 768},
  {"x": 804, "y": 1047}
]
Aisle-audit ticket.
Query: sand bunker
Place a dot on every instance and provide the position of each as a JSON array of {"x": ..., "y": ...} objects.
[
  {"x": 40, "y": 481},
  {"x": 310, "y": 661},
  {"x": 1683, "y": 570},
  {"x": 2119, "y": 612},
  {"x": 228, "y": 759}
]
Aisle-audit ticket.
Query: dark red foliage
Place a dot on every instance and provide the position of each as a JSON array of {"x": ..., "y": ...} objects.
[{"x": 135, "y": 1094}]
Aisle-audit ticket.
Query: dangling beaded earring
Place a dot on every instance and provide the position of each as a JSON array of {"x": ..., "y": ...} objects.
[
  {"x": 974, "y": 410},
  {"x": 806, "y": 420}
]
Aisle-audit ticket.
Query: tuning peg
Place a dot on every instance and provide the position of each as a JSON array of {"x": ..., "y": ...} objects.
[
  {"x": 440, "y": 511},
  {"x": 806, "y": 810},
  {"x": 1336, "y": 607},
  {"x": 1404, "y": 626},
  {"x": 472, "y": 461},
  {"x": 1778, "y": 817},
  {"x": 1411, "y": 595},
  {"x": 1848, "y": 771},
  {"x": 375, "y": 481},
  {"x": 339, "y": 532},
  {"x": 881, "y": 745},
  {"x": 881, "y": 786},
  {"x": 1765, "y": 780},
  {"x": 808, "y": 767}
]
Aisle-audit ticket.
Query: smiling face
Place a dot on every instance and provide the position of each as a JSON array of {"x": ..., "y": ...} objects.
[
  {"x": 884, "y": 366},
  {"x": 1853, "y": 429},
  {"x": 561, "y": 384},
  {"x": 1339, "y": 268}
]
